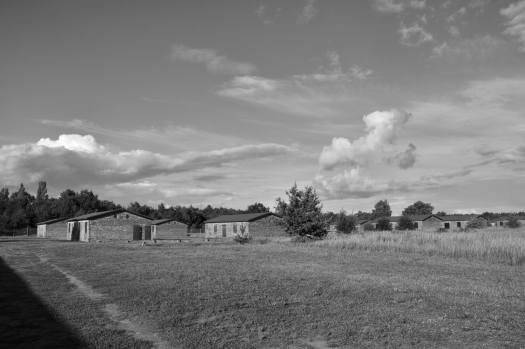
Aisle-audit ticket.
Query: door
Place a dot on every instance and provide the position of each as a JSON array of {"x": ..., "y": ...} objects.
[
  {"x": 137, "y": 232},
  {"x": 224, "y": 231},
  {"x": 75, "y": 233},
  {"x": 147, "y": 232}
]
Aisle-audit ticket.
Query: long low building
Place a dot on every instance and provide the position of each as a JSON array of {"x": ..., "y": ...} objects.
[
  {"x": 53, "y": 228},
  {"x": 501, "y": 222},
  {"x": 434, "y": 222},
  {"x": 254, "y": 224},
  {"x": 167, "y": 228},
  {"x": 119, "y": 224}
]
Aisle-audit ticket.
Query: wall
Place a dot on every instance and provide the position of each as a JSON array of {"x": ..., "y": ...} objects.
[
  {"x": 210, "y": 233},
  {"x": 431, "y": 223},
  {"x": 171, "y": 229},
  {"x": 56, "y": 230},
  {"x": 266, "y": 227},
  {"x": 120, "y": 228}
]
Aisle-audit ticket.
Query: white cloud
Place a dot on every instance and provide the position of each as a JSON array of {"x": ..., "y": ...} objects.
[
  {"x": 414, "y": 35},
  {"x": 213, "y": 62},
  {"x": 359, "y": 73},
  {"x": 515, "y": 14},
  {"x": 418, "y": 4},
  {"x": 261, "y": 10},
  {"x": 77, "y": 160},
  {"x": 308, "y": 12},
  {"x": 454, "y": 31},
  {"x": 457, "y": 15},
  {"x": 477, "y": 3},
  {"x": 353, "y": 184},
  {"x": 391, "y": 6},
  {"x": 382, "y": 128}
]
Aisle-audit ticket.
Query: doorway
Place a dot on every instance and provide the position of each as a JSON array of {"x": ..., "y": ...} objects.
[{"x": 224, "y": 230}]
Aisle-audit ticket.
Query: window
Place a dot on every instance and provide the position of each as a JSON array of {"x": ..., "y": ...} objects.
[
  {"x": 215, "y": 228},
  {"x": 127, "y": 216},
  {"x": 235, "y": 227},
  {"x": 459, "y": 224},
  {"x": 447, "y": 225},
  {"x": 500, "y": 224},
  {"x": 114, "y": 216},
  {"x": 416, "y": 225}
]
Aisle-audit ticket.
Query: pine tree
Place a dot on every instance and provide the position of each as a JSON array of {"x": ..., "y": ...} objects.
[{"x": 303, "y": 213}]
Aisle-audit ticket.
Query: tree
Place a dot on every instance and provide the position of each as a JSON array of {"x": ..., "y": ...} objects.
[
  {"x": 257, "y": 208},
  {"x": 381, "y": 209},
  {"x": 302, "y": 215},
  {"x": 513, "y": 222},
  {"x": 280, "y": 206},
  {"x": 441, "y": 213},
  {"x": 418, "y": 207},
  {"x": 383, "y": 223},
  {"x": 345, "y": 223},
  {"x": 405, "y": 223}
]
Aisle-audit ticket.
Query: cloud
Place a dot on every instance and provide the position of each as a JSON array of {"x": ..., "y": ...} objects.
[
  {"x": 390, "y": 6},
  {"x": 308, "y": 12},
  {"x": 353, "y": 184},
  {"x": 454, "y": 31},
  {"x": 515, "y": 14},
  {"x": 457, "y": 15},
  {"x": 477, "y": 3},
  {"x": 405, "y": 159},
  {"x": 213, "y": 62},
  {"x": 359, "y": 73},
  {"x": 478, "y": 49},
  {"x": 79, "y": 160},
  {"x": 289, "y": 96},
  {"x": 382, "y": 128},
  {"x": 414, "y": 35}
]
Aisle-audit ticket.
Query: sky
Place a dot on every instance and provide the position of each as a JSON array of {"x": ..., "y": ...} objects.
[{"x": 228, "y": 103}]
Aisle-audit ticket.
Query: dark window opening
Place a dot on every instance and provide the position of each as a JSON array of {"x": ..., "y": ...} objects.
[
  {"x": 459, "y": 224},
  {"x": 447, "y": 225},
  {"x": 215, "y": 228},
  {"x": 114, "y": 216},
  {"x": 235, "y": 227},
  {"x": 500, "y": 224},
  {"x": 416, "y": 225},
  {"x": 127, "y": 216}
]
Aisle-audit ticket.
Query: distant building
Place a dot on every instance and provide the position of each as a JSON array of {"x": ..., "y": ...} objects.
[
  {"x": 501, "y": 222},
  {"x": 119, "y": 224},
  {"x": 460, "y": 221},
  {"x": 253, "y": 224},
  {"x": 53, "y": 228},
  {"x": 167, "y": 228},
  {"x": 426, "y": 221}
]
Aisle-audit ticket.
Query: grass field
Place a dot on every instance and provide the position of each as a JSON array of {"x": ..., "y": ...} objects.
[{"x": 275, "y": 295}]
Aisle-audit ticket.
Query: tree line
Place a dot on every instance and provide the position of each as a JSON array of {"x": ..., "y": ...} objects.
[{"x": 20, "y": 209}]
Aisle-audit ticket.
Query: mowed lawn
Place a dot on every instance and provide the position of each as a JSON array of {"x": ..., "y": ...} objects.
[{"x": 222, "y": 295}]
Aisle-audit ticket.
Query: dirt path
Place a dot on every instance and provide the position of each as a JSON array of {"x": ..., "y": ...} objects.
[{"x": 134, "y": 326}]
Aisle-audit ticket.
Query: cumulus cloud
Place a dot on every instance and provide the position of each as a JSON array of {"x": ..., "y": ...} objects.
[
  {"x": 308, "y": 12},
  {"x": 354, "y": 184},
  {"x": 414, "y": 35},
  {"x": 515, "y": 15},
  {"x": 79, "y": 160},
  {"x": 382, "y": 128},
  {"x": 213, "y": 62},
  {"x": 405, "y": 159}
]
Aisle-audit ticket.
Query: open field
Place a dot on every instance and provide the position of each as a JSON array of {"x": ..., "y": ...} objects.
[
  {"x": 505, "y": 246},
  {"x": 273, "y": 295}
]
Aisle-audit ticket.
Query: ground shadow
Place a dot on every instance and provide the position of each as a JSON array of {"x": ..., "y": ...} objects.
[{"x": 26, "y": 322}]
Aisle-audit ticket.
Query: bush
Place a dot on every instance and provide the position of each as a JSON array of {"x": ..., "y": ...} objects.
[
  {"x": 242, "y": 239},
  {"x": 345, "y": 223},
  {"x": 302, "y": 214},
  {"x": 405, "y": 223},
  {"x": 383, "y": 224},
  {"x": 368, "y": 227},
  {"x": 513, "y": 222},
  {"x": 474, "y": 223},
  {"x": 304, "y": 238}
]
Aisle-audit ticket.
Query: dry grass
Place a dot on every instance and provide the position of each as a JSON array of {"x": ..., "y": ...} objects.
[{"x": 492, "y": 245}]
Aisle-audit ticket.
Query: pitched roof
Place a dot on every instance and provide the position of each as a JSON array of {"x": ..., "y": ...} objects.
[
  {"x": 519, "y": 218},
  {"x": 361, "y": 221},
  {"x": 97, "y": 215},
  {"x": 247, "y": 217},
  {"x": 51, "y": 221},
  {"x": 459, "y": 217},
  {"x": 419, "y": 217},
  {"x": 165, "y": 220}
]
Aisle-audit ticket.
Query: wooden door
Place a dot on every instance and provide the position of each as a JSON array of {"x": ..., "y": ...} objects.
[
  {"x": 224, "y": 231},
  {"x": 147, "y": 232},
  {"x": 137, "y": 232}
]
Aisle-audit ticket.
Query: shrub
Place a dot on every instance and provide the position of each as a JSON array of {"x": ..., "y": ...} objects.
[
  {"x": 474, "y": 223},
  {"x": 304, "y": 238},
  {"x": 513, "y": 222},
  {"x": 368, "y": 227},
  {"x": 242, "y": 239},
  {"x": 405, "y": 223},
  {"x": 345, "y": 223},
  {"x": 383, "y": 224},
  {"x": 302, "y": 215}
]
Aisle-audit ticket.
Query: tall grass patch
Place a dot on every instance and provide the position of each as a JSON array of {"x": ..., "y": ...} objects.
[{"x": 505, "y": 246}]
